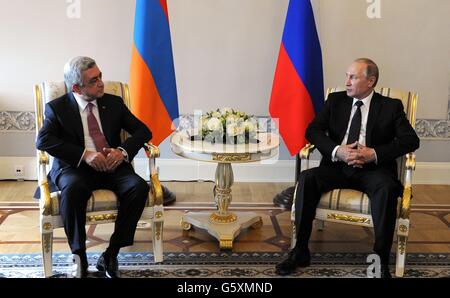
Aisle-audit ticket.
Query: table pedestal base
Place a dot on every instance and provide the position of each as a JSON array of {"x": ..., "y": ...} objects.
[{"x": 224, "y": 232}]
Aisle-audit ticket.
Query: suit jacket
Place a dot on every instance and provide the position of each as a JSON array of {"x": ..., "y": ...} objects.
[
  {"x": 62, "y": 132},
  {"x": 388, "y": 130}
]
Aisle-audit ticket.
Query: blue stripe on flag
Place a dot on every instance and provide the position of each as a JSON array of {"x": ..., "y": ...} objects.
[
  {"x": 303, "y": 47},
  {"x": 152, "y": 41}
]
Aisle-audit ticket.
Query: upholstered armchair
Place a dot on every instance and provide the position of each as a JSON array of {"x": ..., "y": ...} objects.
[
  {"x": 102, "y": 206},
  {"x": 352, "y": 207}
]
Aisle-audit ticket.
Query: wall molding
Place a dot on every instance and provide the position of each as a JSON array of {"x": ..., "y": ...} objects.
[
  {"x": 13, "y": 121},
  {"x": 188, "y": 170},
  {"x": 24, "y": 121}
]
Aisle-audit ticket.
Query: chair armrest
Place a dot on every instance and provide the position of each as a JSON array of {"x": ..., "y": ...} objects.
[
  {"x": 410, "y": 165},
  {"x": 153, "y": 152},
  {"x": 306, "y": 151},
  {"x": 45, "y": 203},
  {"x": 410, "y": 161}
]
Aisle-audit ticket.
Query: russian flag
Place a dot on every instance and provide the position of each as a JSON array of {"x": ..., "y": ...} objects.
[
  {"x": 297, "y": 91},
  {"x": 152, "y": 78}
]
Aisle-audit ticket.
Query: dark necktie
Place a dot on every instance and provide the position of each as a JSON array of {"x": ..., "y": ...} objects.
[
  {"x": 94, "y": 130},
  {"x": 355, "y": 125}
]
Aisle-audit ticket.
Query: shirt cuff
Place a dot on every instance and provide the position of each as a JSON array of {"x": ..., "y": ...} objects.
[
  {"x": 124, "y": 153},
  {"x": 333, "y": 154},
  {"x": 81, "y": 159},
  {"x": 376, "y": 158}
]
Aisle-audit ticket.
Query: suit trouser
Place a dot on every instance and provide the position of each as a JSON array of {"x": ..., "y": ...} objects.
[
  {"x": 77, "y": 185},
  {"x": 382, "y": 188}
]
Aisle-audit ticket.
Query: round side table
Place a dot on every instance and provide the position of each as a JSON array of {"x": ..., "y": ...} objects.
[{"x": 223, "y": 224}]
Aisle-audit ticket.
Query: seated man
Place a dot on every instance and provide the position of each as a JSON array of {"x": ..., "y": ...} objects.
[
  {"x": 359, "y": 133},
  {"x": 82, "y": 131}
]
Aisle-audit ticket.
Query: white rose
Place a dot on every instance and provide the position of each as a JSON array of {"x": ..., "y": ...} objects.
[
  {"x": 240, "y": 130},
  {"x": 231, "y": 118},
  {"x": 226, "y": 110},
  {"x": 214, "y": 124},
  {"x": 232, "y": 129},
  {"x": 248, "y": 125},
  {"x": 216, "y": 114}
]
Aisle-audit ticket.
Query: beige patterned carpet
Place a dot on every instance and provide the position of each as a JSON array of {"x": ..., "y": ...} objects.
[{"x": 338, "y": 251}]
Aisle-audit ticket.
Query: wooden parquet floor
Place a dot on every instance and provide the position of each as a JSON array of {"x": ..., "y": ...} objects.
[{"x": 430, "y": 222}]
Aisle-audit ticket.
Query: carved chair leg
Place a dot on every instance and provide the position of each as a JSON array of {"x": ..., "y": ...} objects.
[
  {"x": 401, "y": 256},
  {"x": 294, "y": 236},
  {"x": 47, "y": 251},
  {"x": 402, "y": 238},
  {"x": 157, "y": 231}
]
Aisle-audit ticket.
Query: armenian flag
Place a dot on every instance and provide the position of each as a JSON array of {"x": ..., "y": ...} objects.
[{"x": 153, "y": 88}]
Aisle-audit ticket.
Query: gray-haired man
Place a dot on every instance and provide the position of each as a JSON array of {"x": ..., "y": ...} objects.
[{"x": 82, "y": 131}]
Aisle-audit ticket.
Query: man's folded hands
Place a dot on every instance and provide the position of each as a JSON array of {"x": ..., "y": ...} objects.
[
  {"x": 355, "y": 154},
  {"x": 106, "y": 161}
]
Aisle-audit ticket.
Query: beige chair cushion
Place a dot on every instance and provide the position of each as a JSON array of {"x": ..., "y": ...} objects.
[
  {"x": 101, "y": 200},
  {"x": 347, "y": 200}
]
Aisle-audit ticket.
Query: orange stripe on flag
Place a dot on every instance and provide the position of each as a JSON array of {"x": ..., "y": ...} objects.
[{"x": 146, "y": 104}]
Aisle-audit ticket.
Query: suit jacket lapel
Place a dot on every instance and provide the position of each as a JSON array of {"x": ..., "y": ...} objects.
[
  {"x": 75, "y": 114},
  {"x": 346, "y": 111},
  {"x": 375, "y": 106}
]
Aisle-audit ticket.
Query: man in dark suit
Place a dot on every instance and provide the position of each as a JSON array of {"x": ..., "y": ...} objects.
[
  {"x": 81, "y": 131},
  {"x": 359, "y": 133}
]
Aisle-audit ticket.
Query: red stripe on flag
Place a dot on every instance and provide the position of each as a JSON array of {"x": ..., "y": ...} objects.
[
  {"x": 147, "y": 104},
  {"x": 291, "y": 103},
  {"x": 164, "y": 8}
]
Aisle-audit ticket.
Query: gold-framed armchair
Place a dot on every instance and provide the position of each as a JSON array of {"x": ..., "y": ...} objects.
[
  {"x": 102, "y": 206},
  {"x": 349, "y": 206}
]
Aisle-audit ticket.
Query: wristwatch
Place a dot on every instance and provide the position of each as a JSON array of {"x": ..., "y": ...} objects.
[{"x": 124, "y": 153}]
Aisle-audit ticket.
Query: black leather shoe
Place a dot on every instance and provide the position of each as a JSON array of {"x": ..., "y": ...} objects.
[
  {"x": 296, "y": 258},
  {"x": 168, "y": 197},
  {"x": 285, "y": 198},
  {"x": 108, "y": 265},
  {"x": 385, "y": 273}
]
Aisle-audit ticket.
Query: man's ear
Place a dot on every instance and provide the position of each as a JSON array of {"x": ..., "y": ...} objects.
[
  {"x": 76, "y": 88},
  {"x": 372, "y": 80}
]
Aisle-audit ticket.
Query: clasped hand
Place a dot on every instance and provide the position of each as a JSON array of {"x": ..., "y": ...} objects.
[
  {"x": 106, "y": 161},
  {"x": 355, "y": 154}
]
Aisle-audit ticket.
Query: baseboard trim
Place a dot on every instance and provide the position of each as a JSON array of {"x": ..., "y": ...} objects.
[
  {"x": 187, "y": 170},
  {"x": 432, "y": 173},
  {"x": 8, "y": 163}
]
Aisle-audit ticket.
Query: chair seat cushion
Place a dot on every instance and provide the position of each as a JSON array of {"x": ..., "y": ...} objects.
[
  {"x": 348, "y": 200},
  {"x": 101, "y": 200}
]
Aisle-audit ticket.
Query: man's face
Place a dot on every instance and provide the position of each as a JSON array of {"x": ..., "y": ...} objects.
[
  {"x": 356, "y": 82},
  {"x": 93, "y": 86}
]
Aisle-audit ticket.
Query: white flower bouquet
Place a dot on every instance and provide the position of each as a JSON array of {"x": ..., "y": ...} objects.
[{"x": 227, "y": 126}]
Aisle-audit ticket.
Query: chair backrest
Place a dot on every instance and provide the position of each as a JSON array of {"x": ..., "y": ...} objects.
[
  {"x": 409, "y": 100},
  {"x": 47, "y": 91}
]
